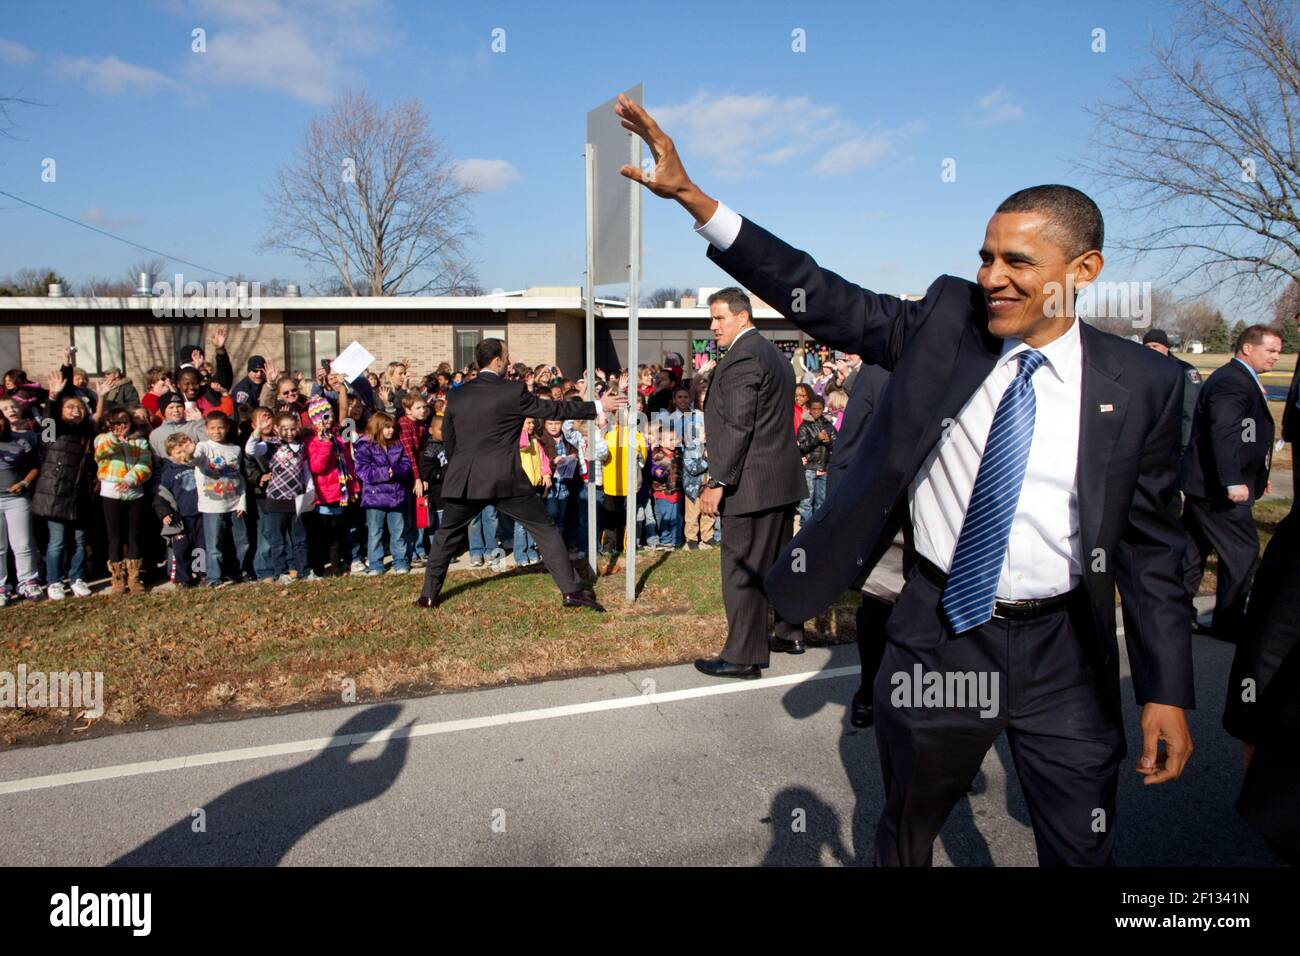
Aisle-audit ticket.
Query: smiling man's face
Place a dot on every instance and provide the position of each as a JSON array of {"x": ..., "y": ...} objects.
[{"x": 1020, "y": 259}]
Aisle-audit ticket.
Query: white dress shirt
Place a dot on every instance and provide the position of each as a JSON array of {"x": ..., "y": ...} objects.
[{"x": 1044, "y": 554}]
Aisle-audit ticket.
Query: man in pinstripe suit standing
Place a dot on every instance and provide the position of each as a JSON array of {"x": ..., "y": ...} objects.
[{"x": 755, "y": 481}]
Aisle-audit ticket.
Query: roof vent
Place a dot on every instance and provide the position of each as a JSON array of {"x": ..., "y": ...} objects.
[
  {"x": 144, "y": 285},
  {"x": 291, "y": 291},
  {"x": 56, "y": 290}
]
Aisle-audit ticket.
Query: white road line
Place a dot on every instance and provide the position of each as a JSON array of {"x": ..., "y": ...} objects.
[{"x": 318, "y": 744}]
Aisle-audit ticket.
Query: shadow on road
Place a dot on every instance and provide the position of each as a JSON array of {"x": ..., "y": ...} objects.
[
  {"x": 1189, "y": 822},
  {"x": 258, "y": 822}
]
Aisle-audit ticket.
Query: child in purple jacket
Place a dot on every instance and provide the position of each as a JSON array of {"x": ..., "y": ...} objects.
[{"x": 385, "y": 475}]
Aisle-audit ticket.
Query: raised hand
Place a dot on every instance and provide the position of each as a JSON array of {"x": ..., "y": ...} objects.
[
  {"x": 612, "y": 403},
  {"x": 56, "y": 383},
  {"x": 219, "y": 337},
  {"x": 668, "y": 178}
]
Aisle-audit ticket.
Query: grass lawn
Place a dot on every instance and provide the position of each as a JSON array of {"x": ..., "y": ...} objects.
[{"x": 263, "y": 648}]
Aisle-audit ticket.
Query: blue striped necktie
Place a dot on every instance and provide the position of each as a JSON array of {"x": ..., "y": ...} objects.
[{"x": 971, "y": 591}]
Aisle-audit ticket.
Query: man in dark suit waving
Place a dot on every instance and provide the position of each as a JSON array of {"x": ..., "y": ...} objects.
[
  {"x": 755, "y": 480},
  {"x": 1225, "y": 470},
  {"x": 480, "y": 435},
  {"x": 1038, "y": 458}
]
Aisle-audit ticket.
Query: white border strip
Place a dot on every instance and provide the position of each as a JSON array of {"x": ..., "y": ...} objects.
[{"x": 318, "y": 744}]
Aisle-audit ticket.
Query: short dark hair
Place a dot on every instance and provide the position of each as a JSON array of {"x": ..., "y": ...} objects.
[
  {"x": 217, "y": 415},
  {"x": 1075, "y": 220},
  {"x": 487, "y": 350},
  {"x": 1253, "y": 335},
  {"x": 734, "y": 299}
]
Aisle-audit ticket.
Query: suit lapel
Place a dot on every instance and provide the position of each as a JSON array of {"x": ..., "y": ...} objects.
[
  {"x": 977, "y": 353},
  {"x": 1102, "y": 407}
]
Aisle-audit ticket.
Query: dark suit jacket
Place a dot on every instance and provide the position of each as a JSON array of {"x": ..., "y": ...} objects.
[
  {"x": 1291, "y": 414},
  {"x": 1224, "y": 450},
  {"x": 940, "y": 350},
  {"x": 747, "y": 428},
  {"x": 868, "y": 389},
  {"x": 1268, "y": 655},
  {"x": 480, "y": 435}
]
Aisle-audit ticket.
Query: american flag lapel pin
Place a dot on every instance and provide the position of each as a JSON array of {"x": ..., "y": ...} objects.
[{"x": 1106, "y": 408}]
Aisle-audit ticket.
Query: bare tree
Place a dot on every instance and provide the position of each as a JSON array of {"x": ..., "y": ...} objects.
[
  {"x": 155, "y": 266},
  {"x": 1204, "y": 145},
  {"x": 373, "y": 203},
  {"x": 668, "y": 293}
]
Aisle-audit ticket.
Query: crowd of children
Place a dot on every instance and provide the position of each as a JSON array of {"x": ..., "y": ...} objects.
[{"x": 203, "y": 482}]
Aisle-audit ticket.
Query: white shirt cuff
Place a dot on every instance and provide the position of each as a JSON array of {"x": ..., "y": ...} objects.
[{"x": 722, "y": 228}]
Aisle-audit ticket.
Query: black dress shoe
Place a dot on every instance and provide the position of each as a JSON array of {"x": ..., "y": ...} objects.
[
  {"x": 426, "y": 602},
  {"x": 582, "y": 599},
  {"x": 860, "y": 713},
  {"x": 717, "y": 667},
  {"x": 779, "y": 645}
]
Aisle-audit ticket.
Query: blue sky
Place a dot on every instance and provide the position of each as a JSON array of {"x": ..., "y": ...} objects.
[{"x": 837, "y": 149}]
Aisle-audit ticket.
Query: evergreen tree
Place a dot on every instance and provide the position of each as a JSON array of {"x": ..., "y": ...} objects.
[{"x": 1219, "y": 339}]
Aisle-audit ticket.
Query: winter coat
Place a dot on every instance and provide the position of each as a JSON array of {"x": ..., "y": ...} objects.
[
  {"x": 695, "y": 469},
  {"x": 62, "y": 489},
  {"x": 817, "y": 452},
  {"x": 334, "y": 486},
  {"x": 384, "y": 472}
]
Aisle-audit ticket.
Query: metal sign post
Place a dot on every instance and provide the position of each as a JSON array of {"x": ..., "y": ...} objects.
[
  {"x": 614, "y": 218},
  {"x": 633, "y": 420},
  {"x": 589, "y": 154}
]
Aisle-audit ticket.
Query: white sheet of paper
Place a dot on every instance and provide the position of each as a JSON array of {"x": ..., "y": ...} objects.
[{"x": 352, "y": 361}]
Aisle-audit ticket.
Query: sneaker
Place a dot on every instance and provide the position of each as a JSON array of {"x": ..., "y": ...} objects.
[
  {"x": 56, "y": 592},
  {"x": 499, "y": 565},
  {"x": 705, "y": 546},
  {"x": 311, "y": 576},
  {"x": 371, "y": 574},
  {"x": 284, "y": 579},
  {"x": 4, "y": 598},
  {"x": 419, "y": 561},
  {"x": 476, "y": 562},
  {"x": 167, "y": 588},
  {"x": 31, "y": 591},
  {"x": 218, "y": 585},
  {"x": 400, "y": 570},
  {"x": 81, "y": 589},
  {"x": 358, "y": 567}
]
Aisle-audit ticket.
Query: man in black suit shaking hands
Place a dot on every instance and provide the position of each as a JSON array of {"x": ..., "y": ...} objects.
[
  {"x": 755, "y": 480},
  {"x": 1038, "y": 457},
  {"x": 480, "y": 435}
]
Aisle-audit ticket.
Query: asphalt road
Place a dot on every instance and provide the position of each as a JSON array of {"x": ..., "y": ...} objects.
[{"x": 696, "y": 772}]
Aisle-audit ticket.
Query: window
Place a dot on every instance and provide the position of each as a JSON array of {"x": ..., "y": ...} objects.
[
  {"x": 306, "y": 348},
  {"x": 183, "y": 335},
  {"x": 468, "y": 339},
  {"x": 99, "y": 347}
]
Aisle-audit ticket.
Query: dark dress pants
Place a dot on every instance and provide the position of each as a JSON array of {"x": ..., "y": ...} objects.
[
  {"x": 751, "y": 543},
  {"x": 1227, "y": 529},
  {"x": 452, "y": 538},
  {"x": 1067, "y": 745}
]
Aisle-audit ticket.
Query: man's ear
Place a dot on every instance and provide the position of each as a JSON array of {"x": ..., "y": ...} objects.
[{"x": 1086, "y": 268}]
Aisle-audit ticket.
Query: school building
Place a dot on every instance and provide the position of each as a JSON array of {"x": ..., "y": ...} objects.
[{"x": 539, "y": 324}]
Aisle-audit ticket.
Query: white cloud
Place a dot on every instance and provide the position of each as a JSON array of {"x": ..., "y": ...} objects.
[
  {"x": 488, "y": 175},
  {"x": 741, "y": 134},
  {"x": 96, "y": 216},
  {"x": 109, "y": 74},
  {"x": 997, "y": 107},
  {"x": 289, "y": 46},
  {"x": 14, "y": 53}
]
